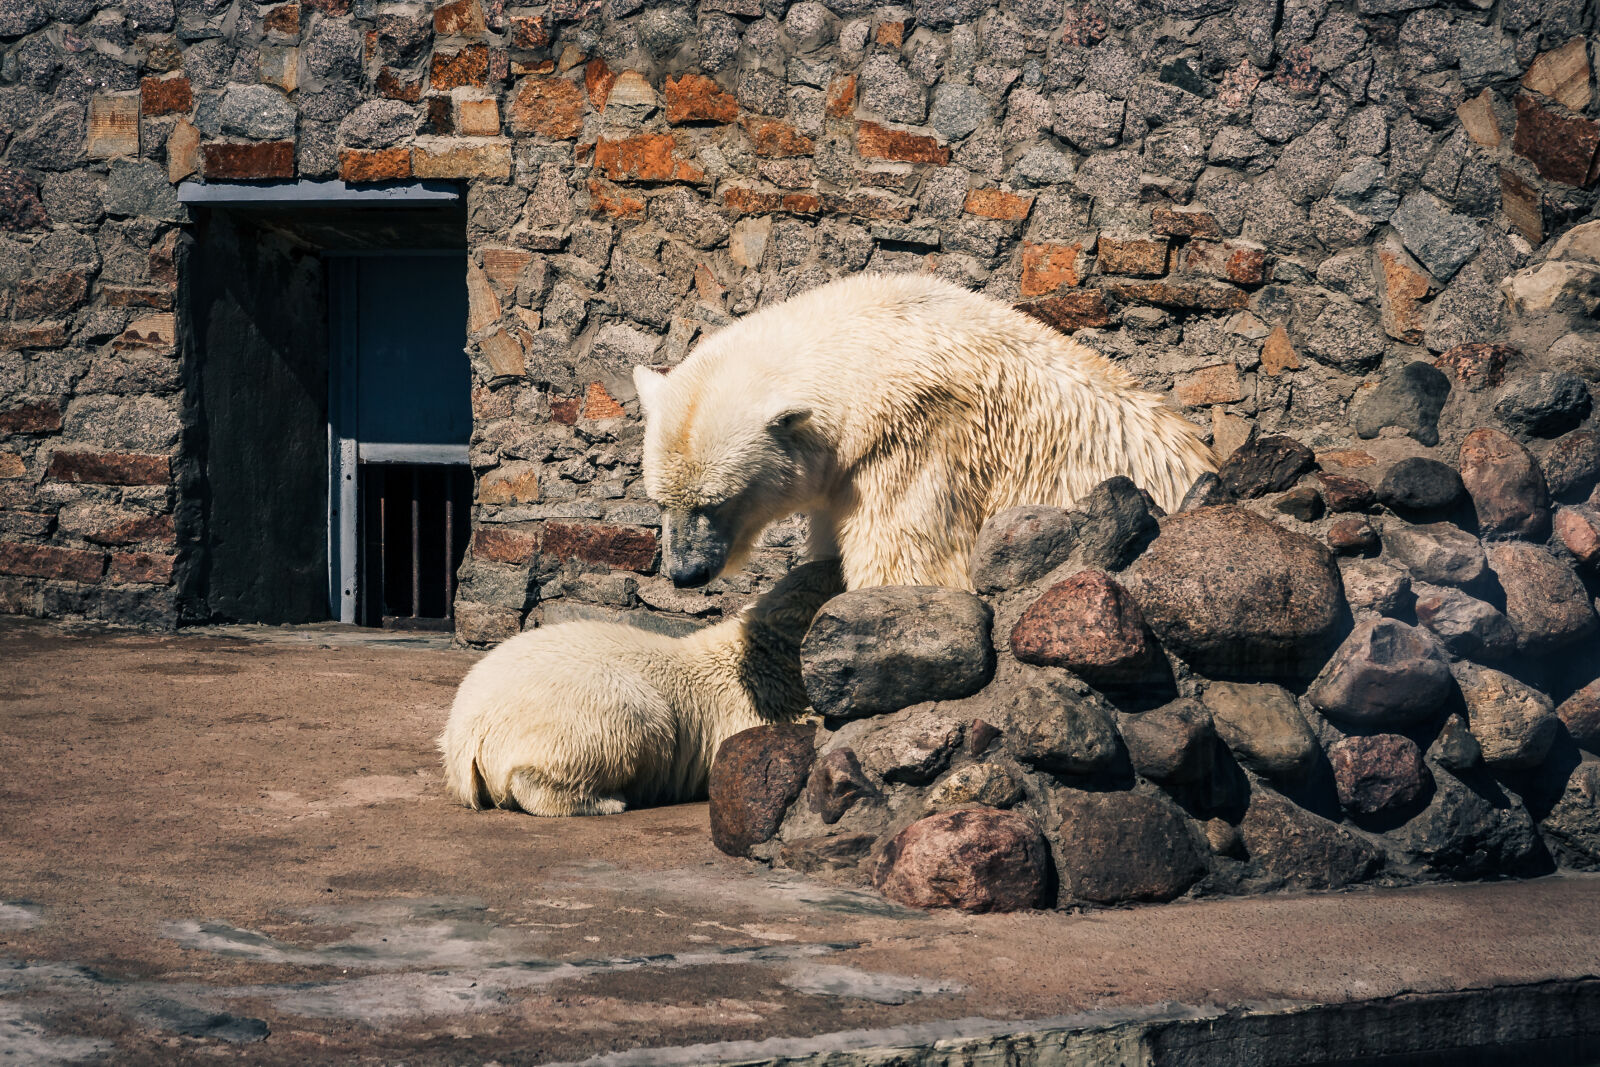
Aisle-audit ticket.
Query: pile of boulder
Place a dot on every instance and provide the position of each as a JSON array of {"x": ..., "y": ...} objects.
[{"x": 1300, "y": 679}]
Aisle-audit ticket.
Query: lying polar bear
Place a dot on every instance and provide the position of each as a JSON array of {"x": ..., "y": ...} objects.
[{"x": 591, "y": 718}]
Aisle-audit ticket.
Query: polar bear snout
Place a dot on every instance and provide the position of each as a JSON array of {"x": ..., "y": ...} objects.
[{"x": 694, "y": 547}]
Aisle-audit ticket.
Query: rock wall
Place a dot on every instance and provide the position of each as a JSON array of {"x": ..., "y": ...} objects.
[
  {"x": 1217, "y": 702},
  {"x": 1278, "y": 212}
]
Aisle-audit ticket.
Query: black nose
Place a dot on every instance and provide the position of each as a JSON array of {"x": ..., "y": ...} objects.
[{"x": 689, "y": 575}]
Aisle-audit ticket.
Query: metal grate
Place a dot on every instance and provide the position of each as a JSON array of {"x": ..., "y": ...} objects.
[{"x": 415, "y": 519}]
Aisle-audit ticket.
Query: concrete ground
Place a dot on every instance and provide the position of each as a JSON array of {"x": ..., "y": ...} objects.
[{"x": 233, "y": 845}]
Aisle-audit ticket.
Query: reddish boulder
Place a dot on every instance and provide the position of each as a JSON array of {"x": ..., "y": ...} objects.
[
  {"x": 1092, "y": 627},
  {"x": 974, "y": 859},
  {"x": 1506, "y": 485},
  {"x": 1117, "y": 847},
  {"x": 1378, "y": 773},
  {"x": 1545, "y": 601},
  {"x": 1385, "y": 674},
  {"x": 756, "y": 775},
  {"x": 1580, "y": 714}
]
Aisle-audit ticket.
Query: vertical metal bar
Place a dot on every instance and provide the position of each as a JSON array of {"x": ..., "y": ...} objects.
[
  {"x": 380, "y": 581},
  {"x": 449, "y": 542},
  {"x": 416, "y": 547}
]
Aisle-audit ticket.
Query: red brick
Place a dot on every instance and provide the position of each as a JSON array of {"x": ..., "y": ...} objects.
[
  {"x": 608, "y": 200},
  {"x": 841, "y": 97},
  {"x": 135, "y": 296},
  {"x": 46, "y": 561},
  {"x": 111, "y": 468},
  {"x": 133, "y": 528},
  {"x": 529, "y": 31},
  {"x": 746, "y": 201},
  {"x": 1047, "y": 267},
  {"x": 147, "y": 568},
  {"x": 776, "y": 139},
  {"x": 33, "y": 335},
  {"x": 20, "y": 206},
  {"x": 500, "y": 544},
  {"x": 552, "y": 107},
  {"x": 597, "y": 82},
  {"x": 283, "y": 20},
  {"x": 37, "y": 416},
  {"x": 467, "y": 68},
  {"x": 461, "y": 17},
  {"x": 1069, "y": 311},
  {"x": 1146, "y": 256},
  {"x": 565, "y": 409},
  {"x": 165, "y": 96},
  {"x": 1565, "y": 150},
  {"x": 1278, "y": 354},
  {"x": 1198, "y": 296},
  {"x": 628, "y": 547},
  {"x": 1241, "y": 262},
  {"x": 696, "y": 98},
  {"x": 243, "y": 162},
  {"x": 54, "y": 294},
  {"x": 1174, "y": 222},
  {"x": 374, "y": 165},
  {"x": 645, "y": 157},
  {"x": 1083, "y": 25},
  {"x": 998, "y": 204},
  {"x": 881, "y": 142},
  {"x": 1523, "y": 203},
  {"x": 392, "y": 85}
]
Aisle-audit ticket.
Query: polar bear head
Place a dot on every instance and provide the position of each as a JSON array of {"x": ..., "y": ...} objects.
[{"x": 725, "y": 455}]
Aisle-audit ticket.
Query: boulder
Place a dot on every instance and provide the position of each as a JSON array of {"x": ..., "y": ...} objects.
[
  {"x": 1580, "y": 713},
  {"x": 1293, "y": 847},
  {"x": 989, "y": 785},
  {"x": 1578, "y": 528},
  {"x": 1021, "y": 545},
  {"x": 1438, "y": 552},
  {"x": 1465, "y": 625},
  {"x": 1115, "y": 526},
  {"x": 1506, "y": 485},
  {"x": 1572, "y": 826},
  {"x": 1345, "y": 494},
  {"x": 1302, "y": 502},
  {"x": 1057, "y": 724},
  {"x": 912, "y": 746},
  {"x": 1455, "y": 749},
  {"x": 1514, "y": 724},
  {"x": 1352, "y": 537},
  {"x": 1545, "y": 601},
  {"x": 1544, "y": 405},
  {"x": 1572, "y": 465},
  {"x": 756, "y": 775},
  {"x": 1385, "y": 675},
  {"x": 1265, "y": 465},
  {"x": 1206, "y": 492},
  {"x": 1173, "y": 744},
  {"x": 1233, "y": 593},
  {"x": 1467, "y": 832},
  {"x": 1378, "y": 773},
  {"x": 974, "y": 859},
  {"x": 1263, "y": 728},
  {"x": 872, "y": 651},
  {"x": 1091, "y": 626},
  {"x": 1376, "y": 587},
  {"x": 1410, "y": 399},
  {"x": 1119, "y": 847},
  {"x": 1420, "y": 485},
  {"x": 837, "y": 783}
]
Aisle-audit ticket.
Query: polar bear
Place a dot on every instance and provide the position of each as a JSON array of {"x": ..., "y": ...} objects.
[
  {"x": 898, "y": 412},
  {"x": 591, "y": 718}
]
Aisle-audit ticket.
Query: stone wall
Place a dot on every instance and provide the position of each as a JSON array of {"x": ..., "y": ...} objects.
[{"x": 1266, "y": 209}]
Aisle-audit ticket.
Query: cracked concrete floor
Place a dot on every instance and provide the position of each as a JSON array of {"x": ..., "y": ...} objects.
[{"x": 234, "y": 844}]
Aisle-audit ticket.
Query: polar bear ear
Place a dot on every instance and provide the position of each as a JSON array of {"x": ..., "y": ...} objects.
[
  {"x": 788, "y": 419},
  {"x": 649, "y": 382}
]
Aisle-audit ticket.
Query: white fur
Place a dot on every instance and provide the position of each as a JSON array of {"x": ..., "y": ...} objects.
[
  {"x": 899, "y": 412},
  {"x": 590, "y": 718}
]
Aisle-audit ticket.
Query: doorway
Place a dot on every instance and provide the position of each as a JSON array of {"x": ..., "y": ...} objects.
[{"x": 399, "y": 424}]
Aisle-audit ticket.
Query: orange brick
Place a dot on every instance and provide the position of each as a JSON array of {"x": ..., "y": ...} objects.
[
  {"x": 529, "y": 31},
  {"x": 1145, "y": 256},
  {"x": 393, "y": 86},
  {"x": 606, "y": 199},
  {"x": 462, "y": 17},
  {"x": 599, "y": 404},
  {"x": 1079, "y": 309},
  {"x": 467, "y": 68},
  {"x": 745, "y": 201},
  {"x": 881, "y": 142},
  {"x": 1277, "y": 354},
  {"x": 696, "y": 98},
  {"x": 646, "y": 157},
  {"x": 776, "y": 139},
  {"x": 1048, "y": 267},
  {"x": 500, "y": 544},
  {"x": 841, "y": 97},
  {"x": 597, "y": 82},
  {"x": 891, "y": 34},
  {"x": 552, "y": 107},
  {"x": 998, "y": 204},
  {"x": 374, "y": 165},
  {"x": 1219, "y": 384},
  {"x": 478, "y": 118}
]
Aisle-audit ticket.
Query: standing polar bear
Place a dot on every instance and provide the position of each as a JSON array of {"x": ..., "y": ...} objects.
[
  {"x": 591, "y": 718},
  {"x": 898, "y": 412}
]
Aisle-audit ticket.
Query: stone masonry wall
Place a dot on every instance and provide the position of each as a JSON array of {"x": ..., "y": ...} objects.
[{"x": 1265, "y": 208}]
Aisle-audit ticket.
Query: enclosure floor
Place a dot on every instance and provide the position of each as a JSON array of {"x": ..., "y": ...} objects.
[{"x": 206, "y": 832}]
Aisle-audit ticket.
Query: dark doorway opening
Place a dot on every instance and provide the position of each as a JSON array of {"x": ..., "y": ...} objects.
[{"x": 416, "y": 520}]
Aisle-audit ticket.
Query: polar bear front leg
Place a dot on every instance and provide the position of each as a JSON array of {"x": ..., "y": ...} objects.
[{"x": 537, "y": 794}]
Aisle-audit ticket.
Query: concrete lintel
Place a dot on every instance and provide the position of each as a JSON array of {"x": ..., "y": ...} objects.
[{"x": 308, "y": 191}]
